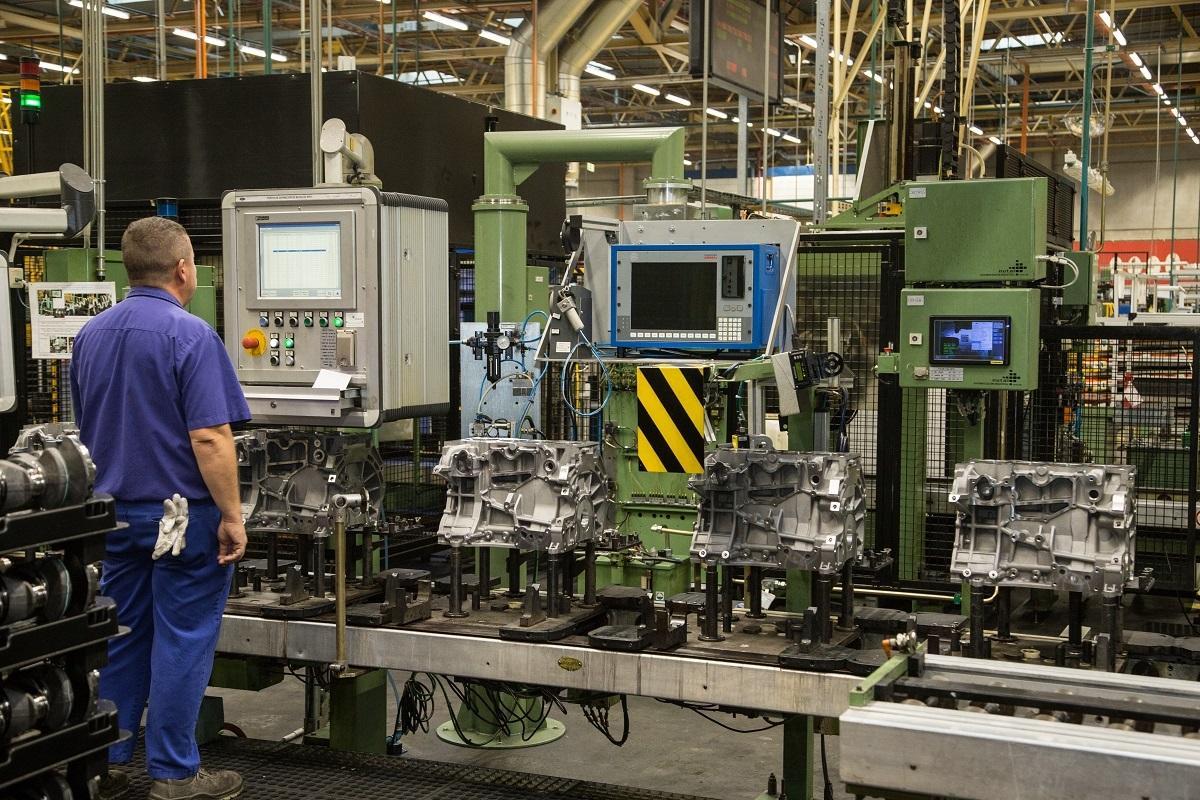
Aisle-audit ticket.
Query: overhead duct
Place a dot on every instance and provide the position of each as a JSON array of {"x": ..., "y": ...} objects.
[
  {"x": 555, "y": 18},
  {"x": 605, "y": 21}
]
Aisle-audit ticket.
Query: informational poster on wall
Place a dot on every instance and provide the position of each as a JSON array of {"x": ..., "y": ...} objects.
[{"x": 59, "y": 310}]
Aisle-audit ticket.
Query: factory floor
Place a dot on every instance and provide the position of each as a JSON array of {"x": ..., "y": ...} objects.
[{"x": 670, "y": 749}]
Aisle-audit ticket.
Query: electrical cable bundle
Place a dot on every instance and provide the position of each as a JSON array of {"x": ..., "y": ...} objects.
[
  {"x": 597, "y": 717},
  {"x": 701, "y": 708}
]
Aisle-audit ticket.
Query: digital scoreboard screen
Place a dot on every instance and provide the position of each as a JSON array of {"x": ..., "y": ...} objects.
[
  {"x": 737, "y": 45},
  {"x": 969, "y": 340}
]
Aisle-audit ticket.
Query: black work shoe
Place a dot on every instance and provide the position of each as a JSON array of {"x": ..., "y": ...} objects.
[
  {"x": 114, "y": 784},
  {"x": 220, "y": 784}
]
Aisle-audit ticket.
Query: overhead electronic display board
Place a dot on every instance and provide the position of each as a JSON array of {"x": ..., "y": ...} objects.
[{"x": 737, "y": 43}]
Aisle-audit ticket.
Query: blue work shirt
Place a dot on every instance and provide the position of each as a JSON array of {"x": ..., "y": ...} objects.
[{"x": 143, "y": 374}]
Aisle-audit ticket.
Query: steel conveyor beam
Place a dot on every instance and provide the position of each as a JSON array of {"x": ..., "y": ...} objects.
[
  {"x": 667, "y": 676},
  {"x": 915, "y": 750}
]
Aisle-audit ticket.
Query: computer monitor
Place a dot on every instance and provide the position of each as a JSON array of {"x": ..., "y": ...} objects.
[
  {"x": 300, "y": 260},
  {"x": 969, "y": 340}
]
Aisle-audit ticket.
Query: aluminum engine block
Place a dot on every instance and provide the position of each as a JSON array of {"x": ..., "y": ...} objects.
[
  {"x": 527, "y": 494},
  {"x": 288, "y": 478},
  {"x": 776, "y": 508},
  {"x": 1043, "y": 525}
]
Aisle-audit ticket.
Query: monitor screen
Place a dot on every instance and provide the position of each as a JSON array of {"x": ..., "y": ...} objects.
[
  {"x": 969, "y": 340},
  {"x": 673, "y": 296},
  {"x": 300, "y": 260}
]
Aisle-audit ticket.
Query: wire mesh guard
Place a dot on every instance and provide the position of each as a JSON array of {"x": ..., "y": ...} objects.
[
  {"x": 1127, "y": 396},
  {"x": 843, "y": 283}
]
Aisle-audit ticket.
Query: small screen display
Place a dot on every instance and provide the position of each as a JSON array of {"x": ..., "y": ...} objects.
[
  {"x": 969, "y": 340},
  {"x": 300, "y": 260},
  {"x": 673, "y": 296}
]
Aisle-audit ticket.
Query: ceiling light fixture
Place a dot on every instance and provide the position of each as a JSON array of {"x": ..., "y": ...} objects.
[
  {"x": 112, "y": 12},
  {"x": 1135, "y": 58},
  {"x": 975, "y": 129},
  {"x": 1161, "y": 91},
  {"x": 1120, "y": 37},
  {"x": 995, "y": 140},
  {"x": 716, "y": 112},
  {"x": 498, "y": 38},
  {"x": 599, "y": 73},
  {"x": 650, "y": 90},
  {"x": 674, "y": 98},
  {"x": 1146, "y": 73},
  {"x": 787, "y": 137},
  {"x": 144, "y": 79},
  {"x": 215, "y": 41},
  {"x": 773, "y": 132},
  {"x": 808, "y": 40},
  {"x": 449, "y": 22}
]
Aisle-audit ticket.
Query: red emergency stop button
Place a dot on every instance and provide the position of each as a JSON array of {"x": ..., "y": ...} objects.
[{"x": 255, "y": 342}]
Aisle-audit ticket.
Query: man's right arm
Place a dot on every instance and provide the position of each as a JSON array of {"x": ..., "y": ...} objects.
[{"x": 217, "y": 459}]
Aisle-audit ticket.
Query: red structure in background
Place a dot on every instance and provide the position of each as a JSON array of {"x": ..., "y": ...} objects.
[{"x": 1188, "y": 250}]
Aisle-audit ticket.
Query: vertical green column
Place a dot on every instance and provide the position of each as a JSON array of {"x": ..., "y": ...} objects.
[
  {"x": 358, "y": 712},
  {"x": 798, "y": 730},
  {"x": 500, "y": 257},
  {"x": 266, "y": 15},
  {"x": 912, "y": 482}
]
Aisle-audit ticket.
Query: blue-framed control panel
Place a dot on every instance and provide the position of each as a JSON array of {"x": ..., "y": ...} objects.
[{"x": 693, "y": 296}]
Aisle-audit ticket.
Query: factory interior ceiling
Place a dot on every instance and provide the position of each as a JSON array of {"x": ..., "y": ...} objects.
[{"x": 1022, "y": 64}]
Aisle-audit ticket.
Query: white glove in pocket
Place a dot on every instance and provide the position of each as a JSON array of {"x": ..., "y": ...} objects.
[{"x": 171, "y": 527}]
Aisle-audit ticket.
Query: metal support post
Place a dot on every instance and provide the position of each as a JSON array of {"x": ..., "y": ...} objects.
[
  {"x": 1085, "y": 147},
  {"x": 820, "y": 131},
  {"x": 823, "y": 600},
  {"x": 978, "y": 642},
  {"x": 568, "y": 581},
  {"x": 727, "y": 599},
  {"x": 272, "y": 556},
  {"x": 367, "y": 554},
  {"x": 341, "y": 503},
  {"x": 589, "y": 574},
  {"x": 552, "y": 587},
  {"x": 846, "y": 616},
  {"x": 754, "y": 594},
  {"x": 743, "y": 135},
  {"x": 456, "y": 599},
  {"x": 712, "y": 605},
  {"x": 483, "y": 571},
  {"x": 1075, "y": 620},
  {"x": 514, "y": 573},
  {"x": 798, "y": 731},
  {"x": 318, "y": 565},
  {"x": 1004, "y": 615},
  {"x": 1112, "y": 626}
]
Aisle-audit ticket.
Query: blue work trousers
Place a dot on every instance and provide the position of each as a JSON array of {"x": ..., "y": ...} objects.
[{"x": 173, "y": 608}]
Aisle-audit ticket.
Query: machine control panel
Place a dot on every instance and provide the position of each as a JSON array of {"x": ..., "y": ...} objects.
[
  {"x": 985, "y": 338},
  {"x": 321, "y": 281},
  {"x": 693, "y": 296}
]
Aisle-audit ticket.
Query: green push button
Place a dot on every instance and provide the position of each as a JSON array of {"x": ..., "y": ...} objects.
[
  {"x": 289, "y": 343},
  {"x": 324, "y": 322},
  {"x": 308, "y": 322},
  {"x": 337, "y": 322}
]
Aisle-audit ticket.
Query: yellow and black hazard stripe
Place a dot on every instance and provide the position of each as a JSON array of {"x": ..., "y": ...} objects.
[{"x": 670, "y": 423}]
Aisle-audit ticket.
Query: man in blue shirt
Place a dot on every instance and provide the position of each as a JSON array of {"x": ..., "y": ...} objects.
[{"x": 155, "y": 396}]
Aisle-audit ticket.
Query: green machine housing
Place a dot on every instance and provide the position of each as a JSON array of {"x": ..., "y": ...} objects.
[
  {"x": 969, "y": 338},
  {"x": 77, "y": 265},
  {"x": 975, "y": 231}
]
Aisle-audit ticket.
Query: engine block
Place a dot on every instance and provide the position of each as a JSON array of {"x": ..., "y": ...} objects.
[
  {"x": 527, "y": 494},
  {"x": 288, "y": 478},
  {"x": 776, "y": 508},
  {"x": 1043, "y": 525}
]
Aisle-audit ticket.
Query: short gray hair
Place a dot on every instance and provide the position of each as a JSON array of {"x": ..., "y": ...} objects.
[{"x": 151, "y": 248}]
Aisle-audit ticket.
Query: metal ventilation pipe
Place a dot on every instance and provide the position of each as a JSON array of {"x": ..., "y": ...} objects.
[
  {"x": 605, "y": 21},
  {"x": 555, "y": 18}
]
